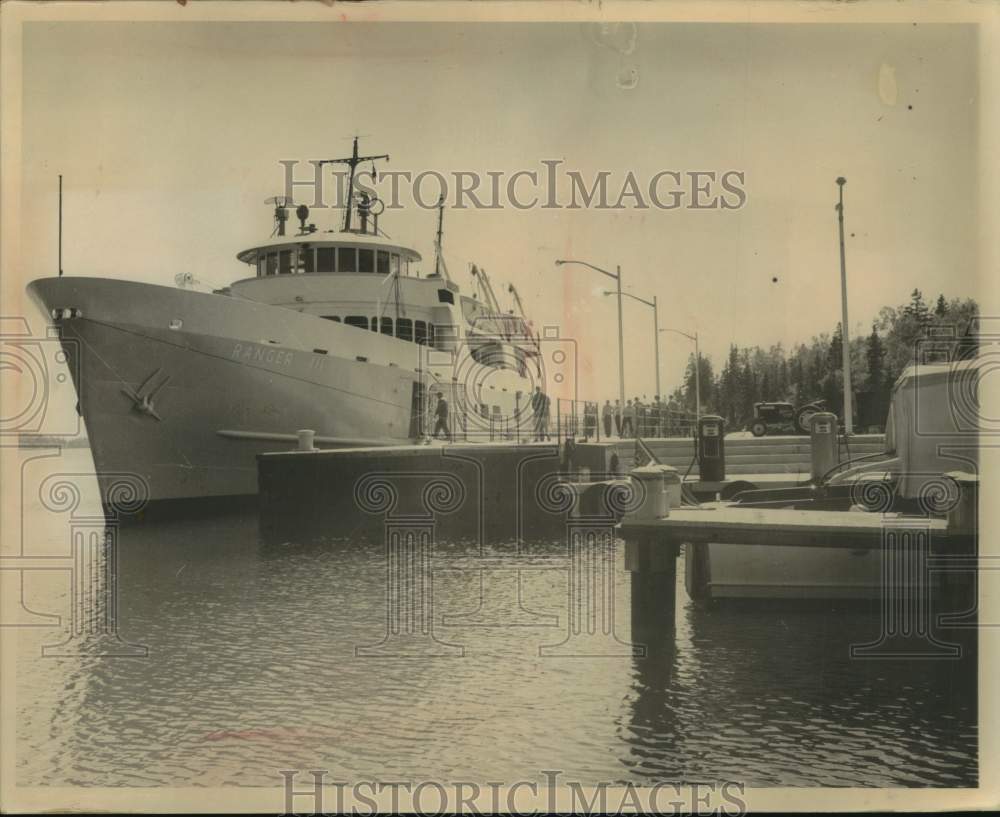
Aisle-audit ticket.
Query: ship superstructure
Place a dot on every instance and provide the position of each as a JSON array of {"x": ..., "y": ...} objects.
[{"x": 335, "y": 331}]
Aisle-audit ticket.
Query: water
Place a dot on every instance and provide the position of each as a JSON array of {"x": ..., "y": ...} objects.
[{"x": 252, "y": 668}]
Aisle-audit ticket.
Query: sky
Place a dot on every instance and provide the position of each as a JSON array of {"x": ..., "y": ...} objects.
[{"x": 169, "y": 137}]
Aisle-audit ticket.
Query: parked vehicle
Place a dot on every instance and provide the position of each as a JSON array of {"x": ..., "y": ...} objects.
[{"x": 784, "y": 417}]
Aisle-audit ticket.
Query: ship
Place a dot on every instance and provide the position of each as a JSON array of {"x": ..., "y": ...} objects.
[{"x": 335, "y": 331}]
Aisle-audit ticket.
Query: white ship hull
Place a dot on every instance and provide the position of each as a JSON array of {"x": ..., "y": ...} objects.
[{"x": 226, "y": 379}]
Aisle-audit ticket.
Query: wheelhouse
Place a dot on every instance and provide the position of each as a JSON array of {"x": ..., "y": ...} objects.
[{"x": 351, "y": 254}]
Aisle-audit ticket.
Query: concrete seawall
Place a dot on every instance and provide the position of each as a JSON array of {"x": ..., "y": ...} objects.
[
  {"x": 485, "y": 492},
  {"x": 477, "y": 492}
]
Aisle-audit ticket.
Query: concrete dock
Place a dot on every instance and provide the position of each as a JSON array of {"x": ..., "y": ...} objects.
[
  {"x": 780, "y": 526},
  {"x": 499, "y": 490},
  {"x": 481, "y": 491},
  {"x": 786, "y": 457}
]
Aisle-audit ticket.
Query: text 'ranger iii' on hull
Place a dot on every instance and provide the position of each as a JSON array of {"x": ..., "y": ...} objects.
[{"x": 337, "y": 331}]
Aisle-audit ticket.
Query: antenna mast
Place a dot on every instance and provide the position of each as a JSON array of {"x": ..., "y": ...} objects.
[
  {"x": 352, "y": 162},
  {"x": 60, "y": 226},
  {"x": 440, "y": 236}
]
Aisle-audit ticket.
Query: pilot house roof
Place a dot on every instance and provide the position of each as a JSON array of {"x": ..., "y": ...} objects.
[{"x": 326, "y": 239}]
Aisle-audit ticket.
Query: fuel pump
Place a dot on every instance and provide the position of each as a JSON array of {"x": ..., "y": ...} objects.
[
  {"x": 823, "y": 443},
  {"x": 710, "y": 446}
]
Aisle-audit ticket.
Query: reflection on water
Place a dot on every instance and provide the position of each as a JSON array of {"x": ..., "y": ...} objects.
[{"x": 252, "y": 668}]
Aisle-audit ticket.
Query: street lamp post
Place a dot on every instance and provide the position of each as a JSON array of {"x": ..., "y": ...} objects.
[
  {"x": 617, "y": 276},
  {"x": 844, "y": 337},
  {"x": 697, "y": 369},
  {"x": 656, "y": 331}
]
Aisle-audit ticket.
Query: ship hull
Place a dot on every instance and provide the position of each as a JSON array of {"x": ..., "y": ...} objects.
[{"x": 182, "y": 390}]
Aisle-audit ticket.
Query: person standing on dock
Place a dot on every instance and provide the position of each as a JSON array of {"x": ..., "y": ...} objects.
[
  {"x": 540, "y": 408},
  {"x": 589, "y": 420},
  {"x": 607, "y": 415},
  {"x": 673, "y": 421},
  {"x": 618, "y": 417},
  {"x": 628, "y": 425},
  {"x": 441, "y": 413}
]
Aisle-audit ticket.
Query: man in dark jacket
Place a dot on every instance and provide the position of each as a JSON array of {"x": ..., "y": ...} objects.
[
  {"x": 441, "y": 412},
  {"x": 608, "y": 415}
]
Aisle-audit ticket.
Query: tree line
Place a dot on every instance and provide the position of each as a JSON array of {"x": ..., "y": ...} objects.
[{"x": 814, "y": 370}]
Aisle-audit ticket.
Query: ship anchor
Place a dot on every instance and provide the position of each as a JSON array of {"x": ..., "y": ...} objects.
[{"x": 143, "y": 403}]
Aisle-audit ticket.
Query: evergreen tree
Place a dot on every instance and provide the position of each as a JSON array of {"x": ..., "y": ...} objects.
[
  {"x": 917, "y": 309},
  {"x": 814, "y": 369},
  {"x": 836, "y": 353},
  {"x": 874, "y": 356}
]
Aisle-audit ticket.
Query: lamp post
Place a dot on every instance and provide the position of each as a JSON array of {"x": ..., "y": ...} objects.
[
  {"x": 617, "y": 276},
  {"x": 656, "y": 331},
  {"x": 844, "y": 337},
  {"x": 697, "y": 369}
]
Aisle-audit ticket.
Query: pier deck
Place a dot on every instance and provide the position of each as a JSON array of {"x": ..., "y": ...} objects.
[{"x": 770, "y": 526}]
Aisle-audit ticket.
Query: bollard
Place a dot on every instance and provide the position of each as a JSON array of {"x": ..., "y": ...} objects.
[
  {"x": 962, "y": 517},
  {"x": 823, "y": 444},
  {"x": 672, "y": 482},
  {"x": 653, "y": 489},
  {"x": 306, "y": 437}
]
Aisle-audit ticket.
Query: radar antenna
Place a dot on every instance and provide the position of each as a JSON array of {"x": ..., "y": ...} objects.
[{"x": 281, "y": 205}]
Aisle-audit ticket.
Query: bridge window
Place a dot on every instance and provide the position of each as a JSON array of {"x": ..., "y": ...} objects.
[
  {"x": 332, "y": 318},
  {"x": 373, "y": 325},
  {"x": 326, "y": 259},
  {"x": 382, "y": 267},
  {"x": 272, "y": 263},
  {"x": 404, "y": 329},
  {"x": 307, "y": 260},
  {"x": 394, "y": 263},
  {"x": 359, "y": 321},
  {"x": 347, "y": 259},
  {"x": 366, "y": 260},
  {"x": 284, "y": 262},
  {"x": 387, "y": 326},
  {"x": 420, "y": 332}
]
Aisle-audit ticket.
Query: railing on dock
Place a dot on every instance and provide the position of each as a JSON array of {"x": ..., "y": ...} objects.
[{"x": 580, "y": 419}]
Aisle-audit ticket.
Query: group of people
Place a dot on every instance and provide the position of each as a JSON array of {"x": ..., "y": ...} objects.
[{"x": 640, "y": 418}]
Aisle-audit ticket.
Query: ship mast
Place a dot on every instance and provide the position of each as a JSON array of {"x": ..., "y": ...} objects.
[{"x": 352, "y": 162}]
